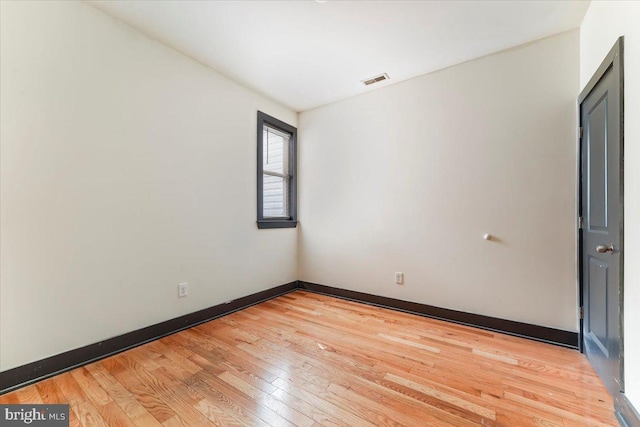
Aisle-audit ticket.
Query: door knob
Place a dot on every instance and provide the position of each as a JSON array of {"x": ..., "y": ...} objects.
[{"x": 603, "y": 249}]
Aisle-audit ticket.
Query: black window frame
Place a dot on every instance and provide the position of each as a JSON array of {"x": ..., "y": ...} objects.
[{"x": 292, "y": 220}]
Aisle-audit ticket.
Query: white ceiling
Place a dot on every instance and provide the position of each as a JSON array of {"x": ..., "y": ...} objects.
[{"x": 309, "y": 53}]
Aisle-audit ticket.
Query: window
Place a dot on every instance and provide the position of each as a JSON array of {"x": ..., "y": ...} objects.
[{"x": 276, "y": 173}]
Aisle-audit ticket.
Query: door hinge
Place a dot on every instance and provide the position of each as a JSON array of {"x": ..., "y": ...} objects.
[
  {"x": 580, "y": 223},
  {"x": 580, "y": 130},
  {"x": 581, "y": 313}
]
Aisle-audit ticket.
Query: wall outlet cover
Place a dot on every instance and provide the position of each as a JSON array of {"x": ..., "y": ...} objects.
[
  {"x": 399, "y": 278},
  {"x": 183, "y": 290}
]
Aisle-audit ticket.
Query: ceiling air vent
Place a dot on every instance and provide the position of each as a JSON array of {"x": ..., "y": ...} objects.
[{"x": 376, "y": 79}]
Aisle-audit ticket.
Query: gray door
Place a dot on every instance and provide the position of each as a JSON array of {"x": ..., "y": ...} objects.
[{"x": 601, "y": 209}]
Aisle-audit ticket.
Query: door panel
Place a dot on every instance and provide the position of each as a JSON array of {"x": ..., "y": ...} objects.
[
  {"x": 599, "y": 284},
  {"x": 601, "y": 208},
  {"x": 597, "y": 217}
]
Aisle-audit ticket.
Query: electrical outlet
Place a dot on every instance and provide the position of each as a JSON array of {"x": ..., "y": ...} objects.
[
  {"x": 183, "y": 290},
  {"x": 399, "y": 278}
]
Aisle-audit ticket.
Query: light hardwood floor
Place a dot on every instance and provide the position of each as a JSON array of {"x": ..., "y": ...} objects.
[{"x": 305, "y": 359}]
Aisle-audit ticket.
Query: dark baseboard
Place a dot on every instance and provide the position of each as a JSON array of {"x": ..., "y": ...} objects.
[
  {"x": 525, "y": 330},
  {"x": 36, "y": 371},
  {"x": 626, "y": 413},
  {"x": 45, "y": 368}
]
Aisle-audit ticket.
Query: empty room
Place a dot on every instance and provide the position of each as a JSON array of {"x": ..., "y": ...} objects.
[{"x": 319, "y": 213}]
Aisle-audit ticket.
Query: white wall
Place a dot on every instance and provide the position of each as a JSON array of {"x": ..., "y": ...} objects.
[
  {"x": 409, "y": 178},
  {"x": 601, "y": 27},
  {"x": 126, "y": 168}
]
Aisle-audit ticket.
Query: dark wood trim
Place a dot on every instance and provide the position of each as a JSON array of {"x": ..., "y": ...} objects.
[
  {"x": 510, "y": 327},
  {"x": 619, "y": 47},
  {"x": 626, "y": 413},
  {"x": 291, "y": 221},
  {"x": 274, "y": 223},
  {"x": 45, "y": 368},
  {"x": 579, "y": 263}
]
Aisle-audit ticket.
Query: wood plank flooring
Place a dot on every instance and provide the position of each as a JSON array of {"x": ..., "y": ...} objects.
[{"x": 306, "y": 360}]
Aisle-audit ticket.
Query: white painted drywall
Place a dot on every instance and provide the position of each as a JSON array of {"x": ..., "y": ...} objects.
[
  {"x": 126, "y": 168},
  {"x": 604, "y": 22},
  {"x": 410, "y": 177}
]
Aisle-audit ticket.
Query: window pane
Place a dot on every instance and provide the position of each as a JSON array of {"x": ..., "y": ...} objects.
[
  {"x": 275, "y": 150},
  {"x": 275, "y": 196},
  {"x": 276, "y": 173}
]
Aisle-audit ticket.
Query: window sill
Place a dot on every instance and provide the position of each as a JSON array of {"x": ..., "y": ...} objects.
[{"x": 277, "y": 223}]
